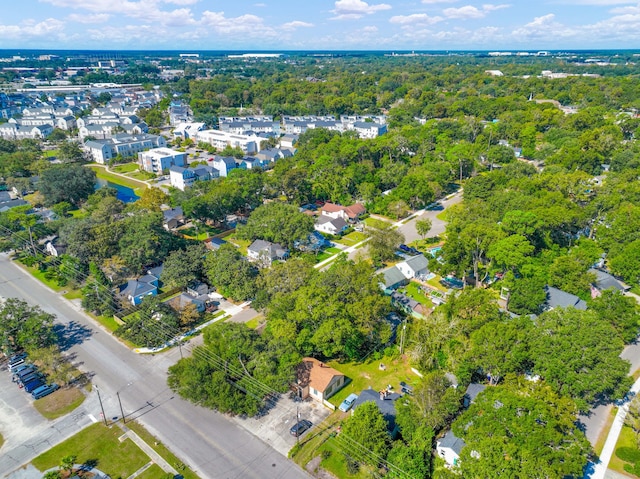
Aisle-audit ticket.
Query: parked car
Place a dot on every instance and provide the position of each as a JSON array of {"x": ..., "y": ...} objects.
[
  {"x": 30, "y": 377},
  {"x": 33, "y": 385},
  {"x": 43, "y": 391},
  {"x": 452, "y": 283},
  {"x": 15, "y": 364},
  {"x": 405, "y": 248},
  {"x": 17, "y": 357},
  {"x": 20, "y": 368},
  {"x": 300, "y": 427},
  {"x": 17, "y": 377},
  {"x": 435, "y": 206},
  {"x": 347, "y": 403}
]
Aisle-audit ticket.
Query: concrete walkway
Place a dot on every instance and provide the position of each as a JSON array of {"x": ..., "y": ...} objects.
[
  {"x": 599, "y": 471},
  {"x": 149, "y": 451}
]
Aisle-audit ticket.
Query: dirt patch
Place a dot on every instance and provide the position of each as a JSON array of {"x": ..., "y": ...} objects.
[{"x": 313, "y": 467}]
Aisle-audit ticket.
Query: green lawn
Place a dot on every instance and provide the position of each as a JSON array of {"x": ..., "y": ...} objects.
[
  {"x": 241, "y": 244},
  {"x": 141, "y": 175},
  {"x": 51, "y": 153},
  {"x": 413, "y": 291},
  {"x": 60, "y": 403},
  {"x": 255, "y": 322},
  {"x": 100, "y": 444},
  {"x": 102, "y": 173},
  {"x": 376, "y": 223},
  {"x": 161, "y": 449},
  {"x": 126, "y": 168},
  {"x": 352, "y": 238},
  {"x": 337, "y": 464},
  {"x": 363, "y": 375},
  {"x": 627, "y": 439}
]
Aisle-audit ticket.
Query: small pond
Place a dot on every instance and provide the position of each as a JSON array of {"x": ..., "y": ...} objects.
[{"x": 124, "y": 194}]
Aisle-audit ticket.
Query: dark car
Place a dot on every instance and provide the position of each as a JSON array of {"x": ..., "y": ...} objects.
[
  {"x": 33, "y": 385},
  {"x": 452, "y": 283},
  {"x": 300, "y": 427},
  {"x": 405, "y": 248},
  {"x": 23, "y": 372},
  {"x": 30, "y": 377},
  {"x": 435, "y": 206},
  {"x": 43, "y": 391}
]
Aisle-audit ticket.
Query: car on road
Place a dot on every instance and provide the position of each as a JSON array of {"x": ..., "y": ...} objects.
[
  {"x": 435, "y": 206},
  {"x": 347, "y": 403},
  {"x": 300, "y": 427},
  {"x": 43, "y": 391}
]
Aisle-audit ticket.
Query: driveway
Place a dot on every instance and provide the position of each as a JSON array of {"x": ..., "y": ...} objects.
[{"x": 408, "y": 229}]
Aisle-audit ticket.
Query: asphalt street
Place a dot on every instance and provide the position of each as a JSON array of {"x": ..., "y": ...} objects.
[{"x": 211, "y": 444}]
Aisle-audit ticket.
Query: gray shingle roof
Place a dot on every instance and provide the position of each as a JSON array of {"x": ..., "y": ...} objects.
[
  {"x": 605, "y": 280},
  {"x": 451, "y": 441},
  {"x": 556, "y": 298},
  {"x": 387, "y": 406},
  {"x": 417, "y": 263},
  {"x": 392, "y": 276}
]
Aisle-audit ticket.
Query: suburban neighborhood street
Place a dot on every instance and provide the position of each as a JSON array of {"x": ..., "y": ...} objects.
[{"x": 211, "y": 444}]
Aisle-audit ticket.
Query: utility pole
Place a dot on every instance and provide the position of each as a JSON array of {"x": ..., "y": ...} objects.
[
  {"x": 404, "y": 328},
  {"x": 104, "y": 417},
  {"x": 297, "y": 421},
  {"x": 124, "y": 421}
]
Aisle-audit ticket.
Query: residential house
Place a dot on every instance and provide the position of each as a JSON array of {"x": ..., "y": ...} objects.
[
  {"x": 408, "y": 305},
  {"x": 369, "y": 130},
  {"x": 137, "y": 289},
  {"x": 392, "y": 278},
  {"x": 224, "y": 164},
  {"x": 125, "y": 145},
  {"x": 415, "y": 267},
  {"x": 7, "y": 202},
  {"x": 314, "y": 242},
  {"x": 265, "y": 252},
  {"x": 252, "y": 162},
  {"x": 606, "y": 281},
  {"x": 471, "y": 393},
  {"x": 288, "y": 141},
  {"x": 12, "y": 131},
  {"x": 317, "y": 380},
  {"x": 183, "y": 178},
  {"x": 449, "y": 448},
  {"x": 182, "y": 300},
  {"x": 330, "y": 225},
  {"x": 347, "y": 213},
  {"x": 249, "y": 144},
  {"x": 158, "y": 160},
  {"x": 187, "y": 130},
  {"x": 556, "y": 298},
  {"x": 385, "y": 400},
  {"x": 172, "y": 218}
]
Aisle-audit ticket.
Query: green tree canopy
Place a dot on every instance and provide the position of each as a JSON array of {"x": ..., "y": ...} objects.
[{"x": 72, "y": 183}]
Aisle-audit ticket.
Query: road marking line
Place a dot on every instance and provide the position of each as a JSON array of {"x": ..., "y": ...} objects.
[{"x": 93, "y": 419}]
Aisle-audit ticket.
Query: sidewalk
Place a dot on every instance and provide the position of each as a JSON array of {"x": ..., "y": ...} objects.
[
  {"x": 148, "y": 450},
  {"x": 599, "y": 471}
]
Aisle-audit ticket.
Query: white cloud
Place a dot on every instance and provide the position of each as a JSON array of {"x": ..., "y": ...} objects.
[
  {"x": 31, "y": 29},
  {"x": 415, "y": 19},
  {"x": 430, "y": 2},
  {"x": 182, "y": 2},
  {"x": 354, "y": 9},
  {"x": 295, "y": 24},
  {"x": 470, "y": 12},
  {"x": 247, "y": 26},
  {"x": 89, "y": 17},
  {"x": 597, "y": 2}
]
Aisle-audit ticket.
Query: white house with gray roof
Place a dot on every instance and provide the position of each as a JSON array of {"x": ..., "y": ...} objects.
[
  {"x": 183, "y": 178},
  {"x": 414, "y": 267},
  {"x": 264, "y": 252},
  {"x": 449, "y": 448}
]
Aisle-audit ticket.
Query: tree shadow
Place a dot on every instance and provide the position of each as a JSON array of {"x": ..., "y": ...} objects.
[{"x": 72, "y": 334}]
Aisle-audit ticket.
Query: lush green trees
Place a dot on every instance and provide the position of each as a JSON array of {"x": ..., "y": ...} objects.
[
  {"x": 383, "y": 243},
  {"x": 577, "y": 354},
  {"x": 622, "y": 312},
  {"x": 524, "y": 431},
  {"x": 423, "y": 226},
  {"x": 25, "y": 327},
  {"x": 368, "y": 428},
  {"x": 153, "y": 325},
  {"x": 277, "y": 222},
  {"x": 228, "y": 271},
  {"x": 182, "y": 267},
  {"x": 72, "y": 183}
]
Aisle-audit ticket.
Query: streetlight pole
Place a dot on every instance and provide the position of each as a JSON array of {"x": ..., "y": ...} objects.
[
  {"x": 104, "y": 417},
  {"x": 124, "y": 421}
]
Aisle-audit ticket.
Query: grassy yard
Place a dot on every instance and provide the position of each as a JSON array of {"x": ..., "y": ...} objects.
[
  {"x": 154, "y": 472},
  {"x": 126, "y": 168},
  {"x": 99, "y": 444},
  {"x": 413, "y": 291},
  {"x": 141, "y": 175},
  {"x": 241, "y": 244},
  {"x": 627, "y": 439},
  {"x": 256, "y": 322},
  {"x": 337, "y": 465},
  {"x": 51, "y": 153},
  {"x": 102, "y": 173},
  {"x": 376, "y": 223},
  {"x": 363, "y": 375},
  {"x": 352, "y": 238},
  {"x": 161, "y": 449},
  {"x": 61, "y": 402}
]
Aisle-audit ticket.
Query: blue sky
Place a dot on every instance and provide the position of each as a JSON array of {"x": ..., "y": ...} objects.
[{"x": 320, "y": 24}]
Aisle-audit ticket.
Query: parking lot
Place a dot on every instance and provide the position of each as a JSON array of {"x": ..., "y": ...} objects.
[
  {"x": 273, "y": 428},
  {"x": 26, "y": 433}
]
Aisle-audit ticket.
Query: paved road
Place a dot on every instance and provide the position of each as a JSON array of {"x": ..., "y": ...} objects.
[
  {"x": 438, "y": 226},
  {"x": 208, "y": 442}
]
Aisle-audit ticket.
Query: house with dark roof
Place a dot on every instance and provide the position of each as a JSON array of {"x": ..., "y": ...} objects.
[
  {"x": 347, "y": 213},
  {"x": 449, "y": 448},
  {"x": 471, "y": 393},
  {"x": 136, "y": 289},
  {"x": 385, "y": 401},
  {"x": 414, "y": 267},
  {"x": 606, "y": 281},
  {"x": 329, "y": 225},
  {"x": 264, "y": 252},
  {"x": 172, "y": 218},
  {"x": 214, "y": 243},
  {"x": 392, "y": 278},
  {"x": 408, "y": 305},
  {"x": 318, "y": 380},
  {"x": 556, "y": 298}
]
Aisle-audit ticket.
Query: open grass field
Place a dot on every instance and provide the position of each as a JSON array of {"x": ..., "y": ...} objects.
[
  {"x": 126, "y": 168},
  {"x": 59, "y": 403},
  {"x": 377, "y": 223},
  {"x": 241, "y": 244},
  {"x": 368, "y": 374},
  {"x": 414, "y": 292},
  {"x": 102, "y": 173},
  {"x": 98, "y": 444}
]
